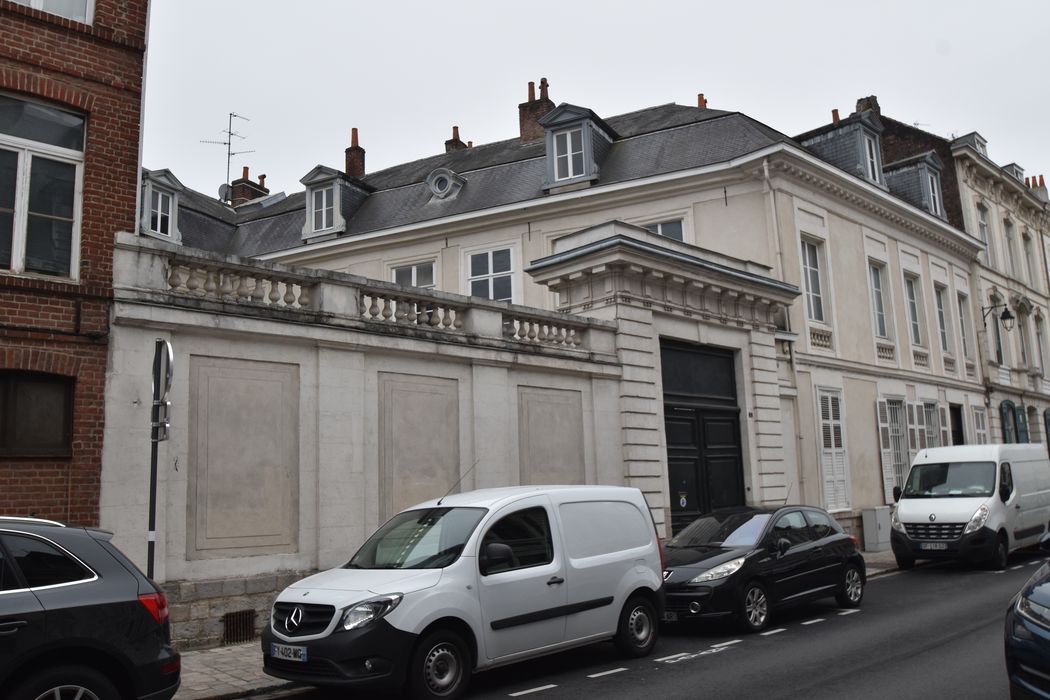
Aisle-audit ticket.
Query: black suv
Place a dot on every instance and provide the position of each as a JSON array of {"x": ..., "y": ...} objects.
[{"x": 78, "y": 619}]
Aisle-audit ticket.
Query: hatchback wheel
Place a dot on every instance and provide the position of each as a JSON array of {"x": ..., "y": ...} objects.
[
  {"x": 636, "y": 633},
  {"x": 441, "y": 667},
  {"x": 851, "y": 589},
  {"x": 754, "y": 607},
  {"x": 66, "y": 683}
]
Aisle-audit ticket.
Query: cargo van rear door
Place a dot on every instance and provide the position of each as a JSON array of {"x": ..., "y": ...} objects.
[{"x": 523, "y": 600}]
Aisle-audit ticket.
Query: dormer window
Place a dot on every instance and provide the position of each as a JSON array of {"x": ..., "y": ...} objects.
[
  {"x": 568, "y": 154},
  {"x": 160, "y": 213},
  {"x": 444, "y": 184},
  {"x": 323, "y": 208},
  {"x": 159, "y": 216},
  {"x": 871, "y": 153},
  {"x": 934, "y": 182}
]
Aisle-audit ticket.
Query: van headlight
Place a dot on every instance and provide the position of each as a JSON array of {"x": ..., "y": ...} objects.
[
  {"x": 720, "y": 571},
  {"x": 977, "y": 521},
  {"x": 370, "y": 610},
  {"x": 1039, "y": 614},
  {"x": 895, "y": 522}
]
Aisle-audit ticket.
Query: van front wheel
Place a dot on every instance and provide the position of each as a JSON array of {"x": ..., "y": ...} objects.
[
  {"x": 1001, "y": 555},
  {"x": 440, "y": 667},
  {"x": 636, "y": 633}
]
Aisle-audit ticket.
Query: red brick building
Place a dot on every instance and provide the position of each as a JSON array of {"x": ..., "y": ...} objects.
[{"x": 70, "y": 104}]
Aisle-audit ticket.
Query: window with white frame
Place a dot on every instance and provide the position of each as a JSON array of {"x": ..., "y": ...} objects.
[
  {"x": 1022, "y": 337},
  {"x": 939, "y": 294},
  {"x": 323, "y": 208},
  {"x": 418, "y": 275},
  {"x": 1040, "y": 342},
  {"x": 997, "y": 336},
  {"x": 871, "y": 160},
  {"x": 41, "y": 166},
  {"x": 988, "y": 254},
  {"x": 670, "y": 229},
  {"x": 76, "y": 10},
  {"x": 964, "y": 323},
  {"x": 878, "y": 302},
  {"x": 491, "y": 274},
  {"x": 934, "y": 181},
  {"x": 913, "y": 298},
  {"x": 160, "y": 212},
  {"x": 931, "y": 423},
  {"x": 1029, "y": 258},
  {"x": 1011, "y": 255},
  {"x": 833, "y": 462},
  {"x": 980, "y": 425},
  {"x": 568, "y": 154},
  {"x": 812, "y": 278}
]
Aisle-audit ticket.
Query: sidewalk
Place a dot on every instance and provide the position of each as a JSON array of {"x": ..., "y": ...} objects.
[{"x": 235, "y": 671}]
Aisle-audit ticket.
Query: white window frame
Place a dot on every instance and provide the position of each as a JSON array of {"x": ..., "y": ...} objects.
[
  {"x": 658, "y": 228},
  {"x": 984, "y": 231},
  {"x": 913, "y": 304},
  {"x": 833, "y": 457},
  {"x": 26, "y": 150},
  {"x": 980, "y": 424},
  {"x": 1029, "y": 258},
  {"x": 871, "y": 157},
  {"x": 934, "y": 182},
  {"x": 415, "y": 272},
  {"x": 998, "y": 351},
  {"x": 811, "y": 272},
  {"x": 1022, "y": 339},
  {"x": 943, "y": 325},
  {"x": 964, "y": 323},
  {"x": 469, "y": 279},
  {"x": 568, "y": 153},
  {"x": 89, "y": 10},
  {"x": 328, "y": 207},
  {"x": 878, "y": 298},
  {"x": 1011, "y": 254}
]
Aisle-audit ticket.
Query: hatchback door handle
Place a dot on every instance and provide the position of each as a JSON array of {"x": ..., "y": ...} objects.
[
  {"x": 7, "y": 628},
  {"x": 555, "y": 580}
]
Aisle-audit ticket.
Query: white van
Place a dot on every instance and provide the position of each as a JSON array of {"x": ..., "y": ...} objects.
[
  {"x": 973, "y": 502},
  {"x": 473, "y": 581}
]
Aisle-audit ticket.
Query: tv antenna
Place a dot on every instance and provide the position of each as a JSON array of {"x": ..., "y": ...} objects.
[{"x": 230, "y": 153}]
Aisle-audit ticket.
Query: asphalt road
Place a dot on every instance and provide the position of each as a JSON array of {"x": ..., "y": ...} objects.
[{"x": 933, "y": 632}]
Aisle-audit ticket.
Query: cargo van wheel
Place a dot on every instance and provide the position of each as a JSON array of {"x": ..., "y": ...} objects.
[
  {"x": 636, "y": 633},
  {"x": 440, "y": 667},
  {"x": 904, "y": 561},
  {"x": 1001, "y": 556}
]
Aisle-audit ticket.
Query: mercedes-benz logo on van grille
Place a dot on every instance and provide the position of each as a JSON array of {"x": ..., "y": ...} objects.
[
  {"x": 933, "y": 517},
  {"x": 294, "y": 619}
]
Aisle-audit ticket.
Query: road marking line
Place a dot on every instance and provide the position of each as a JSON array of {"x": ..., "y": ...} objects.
[
  {"x": 776, "y": 631},
  {"x": 997, "y": 572},
  {"x": 725, "y": 644},
  {"x": 1032, "y": 563},
  {"x": 848, "y": 612},
  {"x": 672, "y": 656},
  {"x": 813, "y": 622},
  {"x": 532, "y": 690},
  {"x": 607, "y": 673},
  {"x": 1015, "y": 568}
]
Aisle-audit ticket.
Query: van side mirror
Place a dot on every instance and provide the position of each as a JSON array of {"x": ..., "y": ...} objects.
[
  {"x": 896, "y": 493},
  {"x": 494, "y": 555}
]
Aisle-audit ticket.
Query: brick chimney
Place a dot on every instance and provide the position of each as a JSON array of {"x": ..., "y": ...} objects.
[
  {"x": 454, "y": 144},
  {"x": 530, "y": 113},
  {"x": 701, "y": 101},
  {"x": 865, "y": 103},
  {"x": 834, "y": 116},
  {"x": 1040, "y": 189},
  {"x": 244, "y": 190},
  {"x": 355, "y": 157}
]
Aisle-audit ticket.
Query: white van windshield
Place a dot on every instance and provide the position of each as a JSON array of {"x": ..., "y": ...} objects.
[
  {"x": 950, "y": 480},
  {"x": 431, "y": 538}
]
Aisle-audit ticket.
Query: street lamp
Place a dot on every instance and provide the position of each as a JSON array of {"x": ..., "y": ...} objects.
[{"x": 1005, "y": 318}]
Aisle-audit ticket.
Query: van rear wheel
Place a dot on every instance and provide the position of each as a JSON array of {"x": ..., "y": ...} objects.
[
  {"x": 441, "y": 667},
  {"x": 636, "y": 633}
]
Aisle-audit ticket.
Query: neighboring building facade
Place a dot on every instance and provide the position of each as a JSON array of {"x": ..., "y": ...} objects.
[{"x": 69, "y": 151}]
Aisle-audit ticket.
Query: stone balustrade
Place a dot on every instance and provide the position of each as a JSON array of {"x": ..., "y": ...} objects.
[
  {"x": 240, "y": 284},
  {"x": 410, "y": 308},
  {"x": 543, "y": 330}
]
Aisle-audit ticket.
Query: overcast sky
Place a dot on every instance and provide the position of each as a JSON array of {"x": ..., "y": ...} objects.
[{"x": 404, "y": 72}]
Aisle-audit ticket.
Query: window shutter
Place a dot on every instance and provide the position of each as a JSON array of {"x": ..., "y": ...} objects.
[
  {"x": 833, "y": 461},
  {"x": 913, "y": 438},
  {"x": 920, "y": 425},
  {"x": 946, "y": 434},
  {"x": 1021, "y": 417},
  {"x": 882, "y": 414}
]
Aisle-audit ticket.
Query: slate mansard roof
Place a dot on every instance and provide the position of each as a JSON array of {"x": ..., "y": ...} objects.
[{"x": 652, "y": 141}]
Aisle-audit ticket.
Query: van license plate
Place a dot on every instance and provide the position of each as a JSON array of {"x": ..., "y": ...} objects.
[
  {"x": 670, "y": 616},
  {"x": 933, "y": 545},
  {"x": 287, "y": 652}
]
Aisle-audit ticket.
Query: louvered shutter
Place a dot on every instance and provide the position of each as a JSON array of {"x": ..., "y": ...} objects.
[
  {"x": 913, "y": 437},
  {"x": 889, "y": 477},
  {"x": 833, "y": 453},
  {"x": 946, "y": 434},
  {"x": 920, "y": 425}
]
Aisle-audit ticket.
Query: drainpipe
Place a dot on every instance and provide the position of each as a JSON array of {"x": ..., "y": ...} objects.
[{"x": 775, "y": 218}]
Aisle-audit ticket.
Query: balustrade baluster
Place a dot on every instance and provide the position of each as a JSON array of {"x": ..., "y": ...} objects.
[
  {"x": 289, "y": 293},
  {"x": 373, "y": 308},
  {"x": 242, "y": 287},
  {"x": 387, "y": 311},
  {"x": 174, "y": 276},
  {"x": 458, "y": 322},
  {"x": 401, "y": 310},
  {"x": 226, "y": 284},
  {"x": 210, "y": 285},
  {"x": 305, "y": 298},
  {"x": 275, "y": 291}
]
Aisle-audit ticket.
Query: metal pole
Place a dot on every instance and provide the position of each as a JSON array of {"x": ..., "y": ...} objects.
[{"x": 154, "y": 419}]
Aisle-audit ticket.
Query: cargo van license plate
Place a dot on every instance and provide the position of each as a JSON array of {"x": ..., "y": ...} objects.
[
  {"x": 287, "y": 652},
  {"x": 933, "y": 545}
]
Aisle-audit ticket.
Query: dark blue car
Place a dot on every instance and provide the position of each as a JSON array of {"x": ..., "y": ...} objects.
[{"x": 1028, "y": 636}]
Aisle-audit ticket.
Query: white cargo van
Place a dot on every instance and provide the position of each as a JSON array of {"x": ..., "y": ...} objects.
[
  {"x": 973, "y": 502},
  {"x": 472, "y": 581}
]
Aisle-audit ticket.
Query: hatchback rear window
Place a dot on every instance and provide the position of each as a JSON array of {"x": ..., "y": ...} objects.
[{"x": 43, "y": 564}]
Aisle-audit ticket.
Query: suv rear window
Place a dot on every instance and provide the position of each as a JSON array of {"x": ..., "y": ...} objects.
[{"x": 43, "y": 564}]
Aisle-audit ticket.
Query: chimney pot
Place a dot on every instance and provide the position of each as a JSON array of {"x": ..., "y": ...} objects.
[
  {"x": 470, "y": 144},
  {"x": 543, "y": 89},
  {"x": 353, "y": 136},
  {"x": 455, "y": 133},
  {"x": 262, "y": 180},
  {"x": 532, "y": 91},
  {"x": 834, "y": 116},
  {"x": 1042, "y": 183},
  {"x": 701, "y": 101},
  {"x": 244, "y": 172},
  {"x": 530, "y": 113}
]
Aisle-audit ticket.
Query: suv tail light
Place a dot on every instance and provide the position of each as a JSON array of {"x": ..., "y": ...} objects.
[
  {"x": 157, "y": 605},
  {"x": 856, "y": 544}
]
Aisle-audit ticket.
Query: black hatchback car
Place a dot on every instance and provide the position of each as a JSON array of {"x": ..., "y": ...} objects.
[
  {"x": 1027, "y": 635},
  {"x": 78, "y": 619},
  {"x": 743, "y": 562}
]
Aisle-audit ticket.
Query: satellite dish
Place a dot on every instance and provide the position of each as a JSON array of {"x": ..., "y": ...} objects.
[{"x": 224, "y": 192}]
